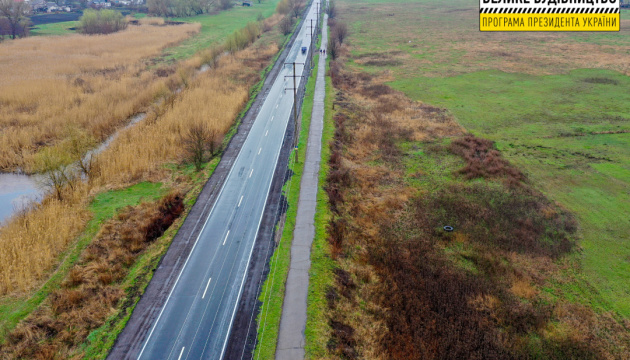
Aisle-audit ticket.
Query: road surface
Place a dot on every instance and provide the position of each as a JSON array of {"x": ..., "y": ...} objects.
[{"x": 196, "y": 319}]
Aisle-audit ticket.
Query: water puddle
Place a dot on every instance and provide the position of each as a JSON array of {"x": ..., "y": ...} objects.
[{"x": 16, "y": 193}]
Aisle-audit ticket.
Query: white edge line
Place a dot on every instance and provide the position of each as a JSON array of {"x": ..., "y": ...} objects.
[
  {"x": 181, "y": 352},
  {"x": 240, "y": 291},
  {"x": 204, "y": 292},
  {"x": 197, "y": 240},
  {"x": 226, "y": 236},
  {"x": 238, "y": 299}
]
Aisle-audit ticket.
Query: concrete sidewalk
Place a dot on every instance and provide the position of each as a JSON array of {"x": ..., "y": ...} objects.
[{"x": 293, "y": 320}]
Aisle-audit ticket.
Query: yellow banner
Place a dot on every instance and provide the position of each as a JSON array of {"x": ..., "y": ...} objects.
[{"x": 549, "y": 22}]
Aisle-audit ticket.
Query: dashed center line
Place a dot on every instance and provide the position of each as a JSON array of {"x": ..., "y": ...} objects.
[
  {"x": 267, "y": 132},
  {"x": 226, "y": 236},
  {"x": 239, "y": 202},
  {"x": 204, "y": 292},
  {"x": 251, "y": 172},
  {"x": 181, "y": 352},
  {"x": 276, "y": 106},
  {"x": 272, "y": 118},
  {"x": 259, "y": 150}
]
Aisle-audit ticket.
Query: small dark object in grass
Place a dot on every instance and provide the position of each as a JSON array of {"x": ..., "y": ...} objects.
[{"x": 448, "y": 228}]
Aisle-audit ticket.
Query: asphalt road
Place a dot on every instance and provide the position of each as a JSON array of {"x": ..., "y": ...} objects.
[{"x": 196, "y": 319}]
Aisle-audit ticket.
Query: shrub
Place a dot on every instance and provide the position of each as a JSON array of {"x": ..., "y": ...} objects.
[
  {"x": 286, "y": 25},
  {"x": 225, "y": 4},
  {"x": 101, "y": 22},
  {"x": 284, "y": 7}
]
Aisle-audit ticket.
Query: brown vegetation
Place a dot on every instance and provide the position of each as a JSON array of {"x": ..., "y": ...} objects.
[
  {"x": 48, "y": 84},
  {"x": 483, "y": 161},
  {"x": 407, "y": 289},
  {"x": 92, "y": 288}
]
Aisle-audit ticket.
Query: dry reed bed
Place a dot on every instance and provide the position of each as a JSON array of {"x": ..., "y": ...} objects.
[
  {"x": 48, "y": 84},
  {"x": 32, "y": 241},
  {"x": 30, "y": 245}
]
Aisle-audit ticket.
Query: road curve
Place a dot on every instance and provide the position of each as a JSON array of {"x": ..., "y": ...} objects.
[{"x": 196, "y": 320}]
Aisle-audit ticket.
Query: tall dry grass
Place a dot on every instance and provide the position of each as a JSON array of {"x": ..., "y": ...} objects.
[
  {"x": 91, "y": 82},
  {"x": 214, "y": 99},
  {"x": 30, "y": 245}
]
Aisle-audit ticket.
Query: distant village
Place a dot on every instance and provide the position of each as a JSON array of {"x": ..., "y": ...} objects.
[{"x": 43, "y": 6}]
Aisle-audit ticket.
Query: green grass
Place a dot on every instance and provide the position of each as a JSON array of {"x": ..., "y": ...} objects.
[
  {"x": 553, "y": 127},
  {"x": 216, "y": 28},
  {"x": 60, "y": 28},
  {"x": 322, "y": 265},
  {"x": 272, "y": 293},
  {"x": 102, "y": 208}
]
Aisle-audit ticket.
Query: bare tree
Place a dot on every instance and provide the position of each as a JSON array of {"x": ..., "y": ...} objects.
[
  {"x": 15, "y": 13},
  {"x": 200, "y": 139},
  {"x": 79, "y": 145},
  {"x": 332, "y": 10},
  {"x": 296, "y": 8},
  {"x": 333, "y": 48},
  {"x": 340, "y": 32},
  {"x": 56, "y": 169},
  {"x": 286, "y": 24}
]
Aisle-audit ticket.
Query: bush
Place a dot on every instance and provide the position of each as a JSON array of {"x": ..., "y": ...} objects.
[
  {"x": 284, "y": 7},
  {"x": 242, "y": 38},
  {"x": 286, "y": 25},
  {"x": 101, "y": 22},
  {"x": 225, "y": 4}
]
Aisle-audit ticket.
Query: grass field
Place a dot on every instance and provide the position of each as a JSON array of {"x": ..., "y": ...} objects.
[
  {"x": 554, "y": 103},
  {"x": 60, "y": 28},
  {"x": 215, "y": 29}
]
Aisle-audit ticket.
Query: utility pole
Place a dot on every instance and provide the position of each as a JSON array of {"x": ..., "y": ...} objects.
[{"x": 295, "y": 114}]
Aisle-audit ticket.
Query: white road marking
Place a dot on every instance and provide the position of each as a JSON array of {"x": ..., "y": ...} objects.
[
  {"x": 247, "y": 266},
  {"x": 276, "y": 106},
  {"x": 251, "y": 172},
  {"x": 204, "y": 292},
  {"x": 181, "y": 352},
  {"x": 272, "y": 118},
  {"x": 239, "y": 202},
  {"x": 226, "y": 236},
  {"x": 259, "y": 150},
  {"x": 267, "y": 132}
]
